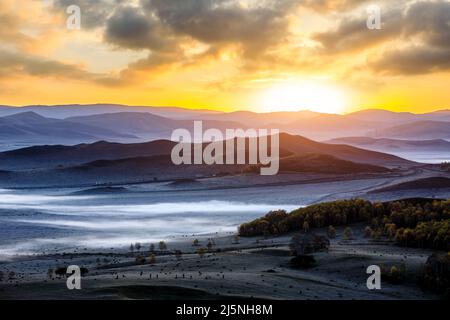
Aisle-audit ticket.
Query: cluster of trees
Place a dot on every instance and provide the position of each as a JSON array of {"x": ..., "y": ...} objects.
[
  {"x": 432, "y": 234},
  {"x": 413, "y": 222},
  {"x": 335, "y": 213}
]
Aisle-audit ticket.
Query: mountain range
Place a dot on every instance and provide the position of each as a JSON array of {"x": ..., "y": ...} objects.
[{"x": 85, "y": 124}]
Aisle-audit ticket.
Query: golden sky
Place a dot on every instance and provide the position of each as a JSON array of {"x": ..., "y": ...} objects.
[{"x": 259, "y": 55}]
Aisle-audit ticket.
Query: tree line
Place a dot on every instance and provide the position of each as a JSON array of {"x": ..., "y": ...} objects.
[{"x": 412, "y": 222}]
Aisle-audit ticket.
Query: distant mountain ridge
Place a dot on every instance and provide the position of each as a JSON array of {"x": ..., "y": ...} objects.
[
  {"x": 34, "y": 128},
  {"x": 75, "y": 124}
]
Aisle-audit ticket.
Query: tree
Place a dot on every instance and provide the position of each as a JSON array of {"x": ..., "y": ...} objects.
[
  {"x": 391, "y": 230},
  {"x": 368, "y": 232},
  {"x": 302, "y": 244},
  {"x": 162, "y": 246},
  {"x": 348, "y": 233},
  {"x": 152, "y": 259},
  {"x": 201, "y": 252},
  {"x": 195, "y": 243},
  {"x": 306, "y": 226},
  {"x": 50, "y": 273},
  {"x": 137, "y": 246},
  {"x": 152, "y": 248},
  {"x": 132, "y": 248},
  {"x": 331, "y": 232},
  {"x": 209, "y": 245}
]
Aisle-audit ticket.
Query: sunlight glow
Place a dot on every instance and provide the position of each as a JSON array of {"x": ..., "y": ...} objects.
[{"x": 304, "y": 96}]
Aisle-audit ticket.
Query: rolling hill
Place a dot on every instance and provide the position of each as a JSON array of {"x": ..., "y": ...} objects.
[
  {"x": 57, "y": 155},
  {"x": 386, "y": 145},
  {"x": 425, "y": 183}
]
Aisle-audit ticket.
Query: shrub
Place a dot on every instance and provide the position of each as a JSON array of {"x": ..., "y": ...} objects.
[
  {"x": 201, "y": 252},
  {"x": 140, "y": 259},
  {"x": 306, "y": 244},
  {"x": 331, "y": 232},
  {"x": 348, "y": 233},
  {"x": 162, "y": 246}
]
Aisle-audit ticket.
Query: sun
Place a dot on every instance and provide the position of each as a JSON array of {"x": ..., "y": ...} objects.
[{"x": 304, "y": 96}]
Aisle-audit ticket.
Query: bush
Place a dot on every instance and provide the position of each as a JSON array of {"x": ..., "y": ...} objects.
[
  {"x": 140, "y": 259},
  {"x": 348, "y": 233},
  {"x": 306, "y": 244}
]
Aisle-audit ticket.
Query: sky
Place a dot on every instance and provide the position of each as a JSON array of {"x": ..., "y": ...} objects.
[{"x": 258, "y": 55}]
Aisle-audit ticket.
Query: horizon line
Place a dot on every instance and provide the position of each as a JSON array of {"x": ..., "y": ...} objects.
[{"x": 207, "y": 109}]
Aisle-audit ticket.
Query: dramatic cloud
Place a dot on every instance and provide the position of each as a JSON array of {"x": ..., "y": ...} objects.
[
  {"x": 94, "y": 12},
  {"x": 427, "y": 25},
  {"x": 255, "y": 26},
  {"x": 130, "y": 28},
  {"x": 420, "y": 34},
  {"x": 332, "y": 5},
  {"x": 20, "y": 64}
]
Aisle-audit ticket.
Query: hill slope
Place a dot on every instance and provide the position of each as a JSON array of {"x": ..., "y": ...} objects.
[{"x": 420, "y": 130}]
